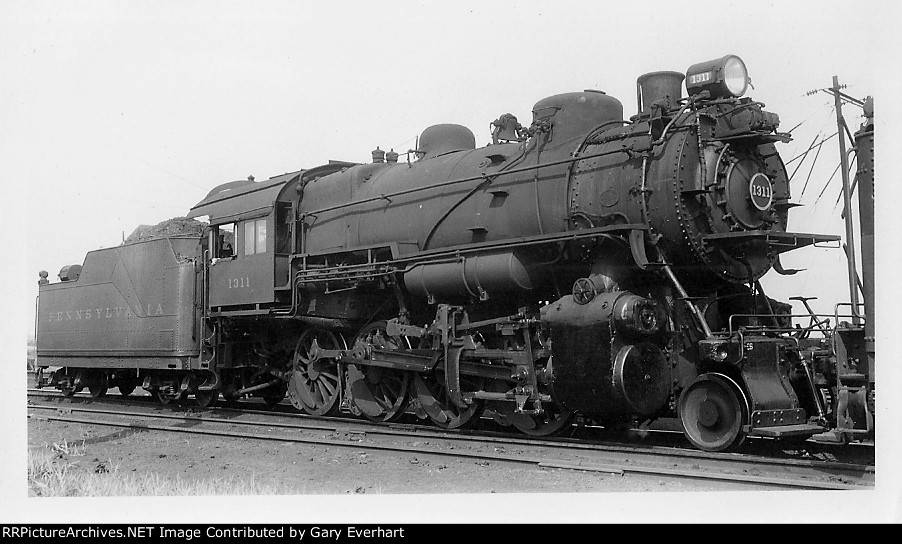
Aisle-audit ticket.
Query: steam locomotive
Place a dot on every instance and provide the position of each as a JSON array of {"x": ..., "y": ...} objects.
[{"x": 585, "y": 265}]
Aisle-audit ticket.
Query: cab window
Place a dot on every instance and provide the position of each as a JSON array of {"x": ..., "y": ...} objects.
[
  {"x": 255, "y": 237},
  {"x": 223, "y": 241}
]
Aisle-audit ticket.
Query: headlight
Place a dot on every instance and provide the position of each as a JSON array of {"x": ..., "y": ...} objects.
[
  {"x": 723, "y": 77},
  {"x": 637, "y": 314}
]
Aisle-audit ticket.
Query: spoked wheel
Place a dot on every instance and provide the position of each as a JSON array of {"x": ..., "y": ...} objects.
[
  {"x": 713, "y": 411},
  {"x": 554, "y": 420},
  {"x": 315, "y": 385},
  {"x": 381, "y": 394},
  {"x": 432, "y": 394}
]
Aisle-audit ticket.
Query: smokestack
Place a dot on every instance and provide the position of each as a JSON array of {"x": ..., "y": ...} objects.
[{"x": 655, "y": 86}]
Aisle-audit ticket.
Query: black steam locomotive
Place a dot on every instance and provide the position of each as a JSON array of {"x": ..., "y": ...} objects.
[{"x": 585, "y": 264}]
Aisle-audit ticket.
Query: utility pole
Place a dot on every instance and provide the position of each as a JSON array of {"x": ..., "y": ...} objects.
[
  {"x": 854, "y": 345},
  {"x": 847, "y": 202}
]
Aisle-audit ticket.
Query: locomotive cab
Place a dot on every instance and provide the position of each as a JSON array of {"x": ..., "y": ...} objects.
[
  {"x": 241, "y": 271},
  {"x": 247, "y": 222}
]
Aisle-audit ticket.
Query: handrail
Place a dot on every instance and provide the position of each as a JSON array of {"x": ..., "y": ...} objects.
[
  {"x": 770, "y": 328},
  {"x": 523, "y": 241},
  {"x": 855, "y": 314}
]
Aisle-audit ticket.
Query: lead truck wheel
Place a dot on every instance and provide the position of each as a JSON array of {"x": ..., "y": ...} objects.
[{"x": 713, "y": 411}]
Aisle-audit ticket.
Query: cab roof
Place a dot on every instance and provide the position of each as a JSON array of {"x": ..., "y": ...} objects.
[{"x": 243, "y": 199}]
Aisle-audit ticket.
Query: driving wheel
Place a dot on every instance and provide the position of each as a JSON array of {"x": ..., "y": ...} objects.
[
  {"x": 555, "y": 419},
  {"x": 315, "y": 386},
  {"x": 432, "y": 393},
  {"x": 381, "y": 394}
]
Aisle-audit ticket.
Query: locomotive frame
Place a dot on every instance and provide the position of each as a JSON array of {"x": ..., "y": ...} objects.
[{"x": 586, "y": 265}]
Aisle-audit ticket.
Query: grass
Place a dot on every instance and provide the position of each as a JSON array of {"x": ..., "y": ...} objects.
[{"x": 60, "y": 470}]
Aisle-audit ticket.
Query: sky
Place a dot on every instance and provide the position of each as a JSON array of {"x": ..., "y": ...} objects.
[{"x": 118, "y": 114}]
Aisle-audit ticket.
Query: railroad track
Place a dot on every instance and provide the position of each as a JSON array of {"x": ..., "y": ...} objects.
[
  {"x": 660, "y": 436},
  {"x": 741, "y": 469}
]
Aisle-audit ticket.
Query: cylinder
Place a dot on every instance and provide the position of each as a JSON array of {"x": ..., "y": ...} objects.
[{"x": 602, "y": 367}]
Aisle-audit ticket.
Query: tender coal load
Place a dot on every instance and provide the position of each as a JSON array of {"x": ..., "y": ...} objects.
[{"x": 177, "y": 226}]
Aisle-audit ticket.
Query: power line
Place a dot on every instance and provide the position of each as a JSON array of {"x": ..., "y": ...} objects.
[
  {"x": 802, "y": 155},
  {"x": 811, "y": 171},
  {"x": 838, "y": 166}
]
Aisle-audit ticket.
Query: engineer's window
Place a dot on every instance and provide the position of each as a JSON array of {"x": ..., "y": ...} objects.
[
  {"x": 255, "y": 237},
  {"x": 224, "y": 238}
]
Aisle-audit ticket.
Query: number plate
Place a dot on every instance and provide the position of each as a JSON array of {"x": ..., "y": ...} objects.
[
  {"x": 696, "y": 79},
  {"x": 761, "y": 192}
]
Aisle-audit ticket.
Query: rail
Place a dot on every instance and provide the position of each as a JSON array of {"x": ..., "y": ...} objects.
[{"x": 550, "y": 453}]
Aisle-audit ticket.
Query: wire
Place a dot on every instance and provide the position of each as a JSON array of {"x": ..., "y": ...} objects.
[
  {"x": 802, "y": 155},
  {"x": 828, "y": 183},
  {"x": 797, "y": 126},
  {"x": 851, "y": 188},
  {"x": 825, "y": 118},
  {"x": 811, "y": 171}
]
